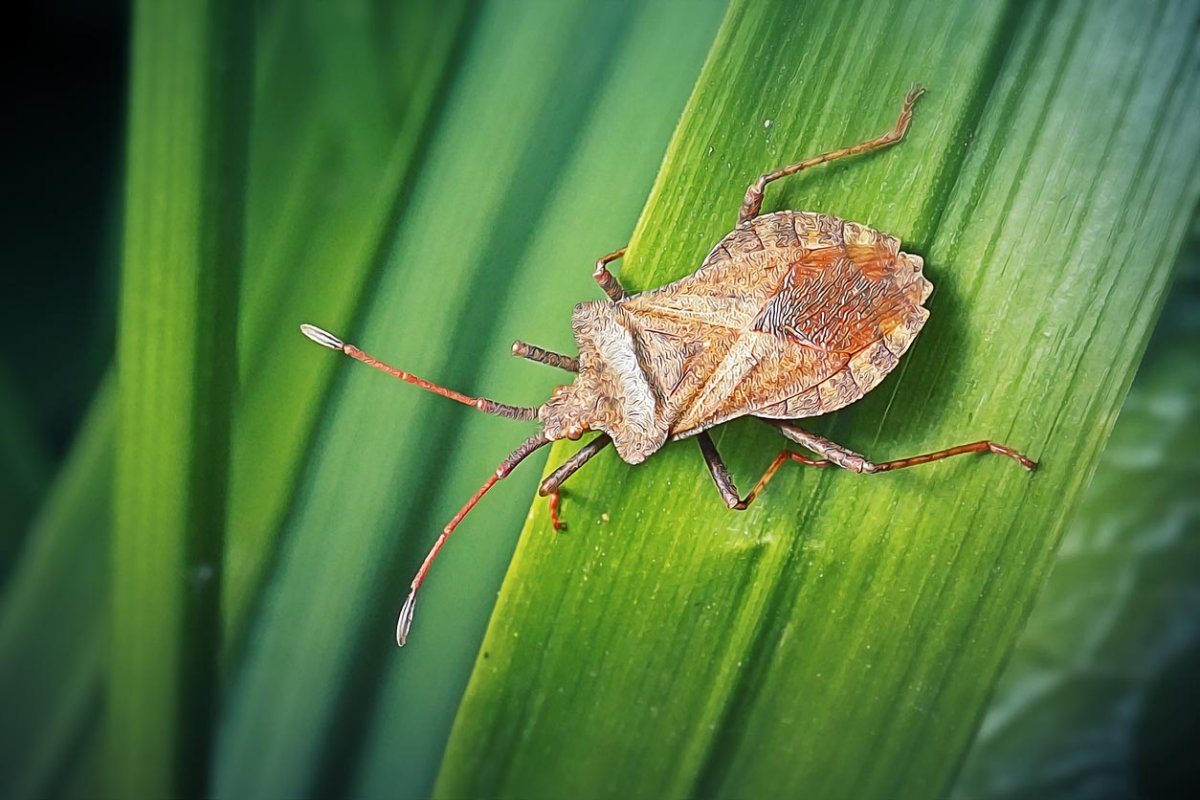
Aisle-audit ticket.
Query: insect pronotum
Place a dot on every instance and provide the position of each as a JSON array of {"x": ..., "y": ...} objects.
[{"x": 793, "y": 314}]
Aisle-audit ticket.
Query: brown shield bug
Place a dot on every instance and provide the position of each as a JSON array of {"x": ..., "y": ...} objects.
[{"x": 793, "y": 314}]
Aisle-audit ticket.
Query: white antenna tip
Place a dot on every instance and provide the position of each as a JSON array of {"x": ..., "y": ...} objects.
[
  {"x": 321, "y": 337},
  {"x": 406, "y": 618}
]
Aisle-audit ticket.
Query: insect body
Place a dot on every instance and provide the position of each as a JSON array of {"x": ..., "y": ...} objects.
[{"x": 792, "y": 314}]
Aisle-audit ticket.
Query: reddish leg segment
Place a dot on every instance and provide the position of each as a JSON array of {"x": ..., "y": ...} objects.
[
  {"x": 506, "y": 466},
  {"x": 327, "y": 339},
  {"x": 554, "y": 481},
  {"x": 848, "y": 459},
  {"x": 832, "y": 455},
  {"x": 752, "y": 203},
  {"x": 721, "y": 476},
  {"x": 608, "y": 282}
]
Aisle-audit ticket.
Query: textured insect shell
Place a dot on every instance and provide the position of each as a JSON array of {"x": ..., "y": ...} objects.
[
  {"x": 612, "y": 392},
  {"x": 791, "y": 315},
  {"x": 842, "y": 304}
]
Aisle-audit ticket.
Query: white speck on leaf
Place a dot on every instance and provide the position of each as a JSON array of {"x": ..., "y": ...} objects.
[{"x": 202, "y": 573}]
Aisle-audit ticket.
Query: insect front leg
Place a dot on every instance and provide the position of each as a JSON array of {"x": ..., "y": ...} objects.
[
  {"x": 608, "y": 282},
  {"x": 720, "y": 473},
  {"x": 855, "y": 462},
  {"x": 752, "y": 203},
  {"x": 548, "y": 357},
  {"x": 554, "y": 481}
]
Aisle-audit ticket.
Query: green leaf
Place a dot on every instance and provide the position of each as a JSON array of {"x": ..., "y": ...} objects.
[
  {"x": 339, "y": 126},
  {"x": 545, "y": 150},
  {"x": 52, "y": 636},
  {"x": 335, "y": 138},
  {"x": 189, "y": 126},
  {"x": 842, "y": 636},
  {"x": 25, "y": 464},
  {"x": 462, "y": 166},
  {"x": 1098, "y": 699}
]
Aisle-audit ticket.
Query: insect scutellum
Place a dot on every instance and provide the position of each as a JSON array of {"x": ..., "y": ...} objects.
[{"x": 792, "y": 314}]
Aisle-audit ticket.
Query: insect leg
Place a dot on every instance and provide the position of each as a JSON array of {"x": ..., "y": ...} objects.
[
  {"x": 535, "y": 353},
  {"x": 848, "y": 459},
  {"x": 720, "y": 473},
  {"x": 752, "y": 203},
  {"x": 327, "y": 339},
  {"x": 554, "y": 481},
  {"x": 608, "y": 282},
  {"x": 506, "y": 466}
]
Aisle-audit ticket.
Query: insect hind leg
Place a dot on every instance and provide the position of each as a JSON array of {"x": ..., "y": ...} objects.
[
  {"x": 832, "y": 454},
  {"x": 752, "y": 203},
  {"x": 855, "y": 462},
  {"x": 723, "y": 480}
]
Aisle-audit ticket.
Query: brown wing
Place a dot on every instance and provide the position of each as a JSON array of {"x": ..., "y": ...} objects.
[{"x": 790, "y": 316}]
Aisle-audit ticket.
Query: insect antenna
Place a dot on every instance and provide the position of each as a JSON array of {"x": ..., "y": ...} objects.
[
  {"x": 502, "y": 471},
  {"x": 327, "y": 339}
]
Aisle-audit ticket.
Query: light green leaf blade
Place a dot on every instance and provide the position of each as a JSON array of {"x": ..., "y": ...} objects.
[
  {"x": 338, "y": 130},
  {"x": 176, "y": 373},
  {"x": 841, "y": 638},
  {"x": 52, "y": 648},
  {"x": 391, "y": 465},
  {"x": 189, "y": 126},
  {"x": 604, "y": 182},
  {"x": 1097, "y": 698},
  {"x": 331, "y": 153}
]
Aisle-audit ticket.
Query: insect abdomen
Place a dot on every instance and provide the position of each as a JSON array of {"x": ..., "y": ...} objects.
[{"x": 860, "y": 297}]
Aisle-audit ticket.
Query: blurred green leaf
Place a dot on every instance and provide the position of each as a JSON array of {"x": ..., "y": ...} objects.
[
  {"x": 52, "y": 647},
  {"x": 346, "y": 97},
  {"x": 604, "y": 180},
  {"x": 461, "y": 166},
  {"x": 547, "y": 145},
  {"x": 189, "y": 125},
  {"x": 841, "y": 638},
  {"x": 25, "y": 465},
  {"x": 1121, "y": 611},
  {"x": 335, "y": 137}
]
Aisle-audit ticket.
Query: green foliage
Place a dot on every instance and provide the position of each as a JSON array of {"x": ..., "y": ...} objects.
[
  {"x": 26, "y": 465},
  {"x": 176, "y": 372},
  {"x": 352, "y": 101},
  {"x": 52, "y": 631},
  {"x": 490, "y": 243},
  {"x": 1099, "y": 698},
  {"x": 432, "y": 180},
  {"x": 347, "y": 93},
  {"x": 841, "y": 638}
]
